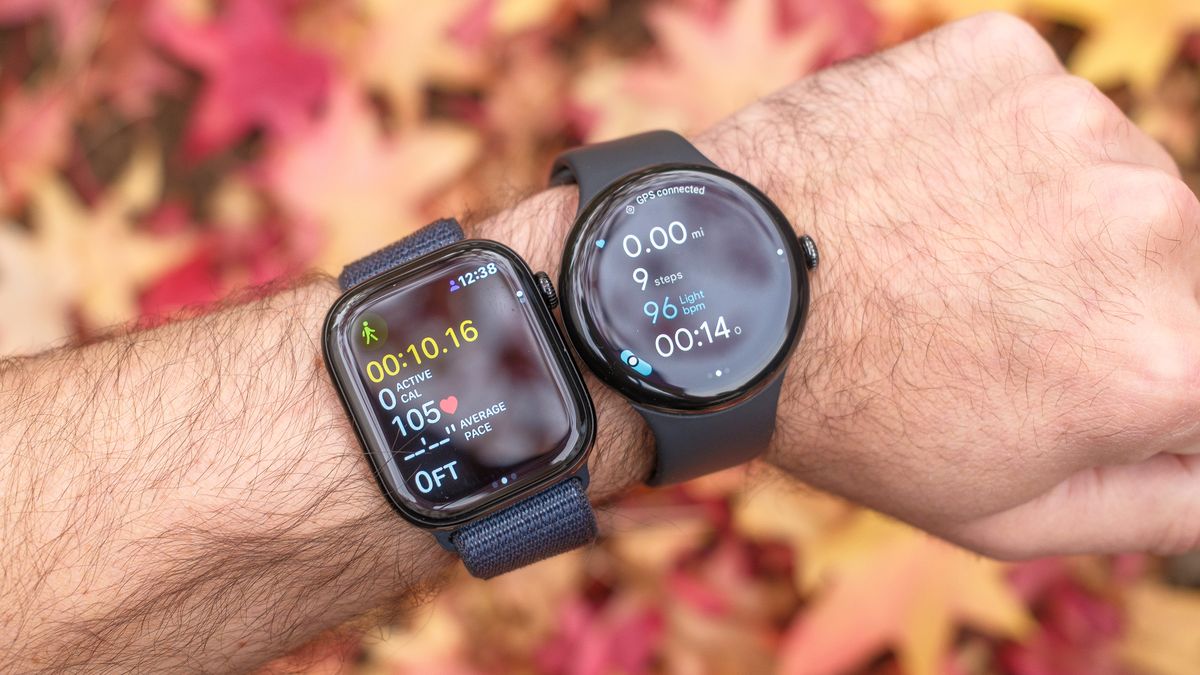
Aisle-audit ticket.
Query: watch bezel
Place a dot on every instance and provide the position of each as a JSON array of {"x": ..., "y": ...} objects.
[
  {"x": 339, "y": 364},
  {"x": 578, "y": 246}
]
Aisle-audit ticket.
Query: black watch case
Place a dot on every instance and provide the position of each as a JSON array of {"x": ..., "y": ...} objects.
[
  {"x": 628, "y": 284},
  {"x": 528, "y": 367}
]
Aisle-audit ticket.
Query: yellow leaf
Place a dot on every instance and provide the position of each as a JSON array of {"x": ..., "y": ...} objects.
[
  {"x": 35, "y": 298},
  {"x": 139, "y": 184},
  {"x": 779, "y": 508},
  {"x": 1126, "y": 41},
  {"x": 706, "y": 68},
  {"x": 882, "y": 585},
  {"x": 1163, "y": 633},
  {"x": 407, "y": 46},
  {"x": 98, "y": 251},
  {"x": 1131, "y": 41},
  {"x": 514, "y": 16}
]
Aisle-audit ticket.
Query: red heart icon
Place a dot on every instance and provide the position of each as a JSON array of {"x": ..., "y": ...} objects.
[{"x": 449, "y": 404}]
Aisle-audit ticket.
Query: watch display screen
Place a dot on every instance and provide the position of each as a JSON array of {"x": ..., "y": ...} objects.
[
  {"x": 462, "y": 388},
  {"x": 682, "y": 287}
]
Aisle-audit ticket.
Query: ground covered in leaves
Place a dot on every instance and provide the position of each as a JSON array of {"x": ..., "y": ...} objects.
[{"x": 157, "y": 155}]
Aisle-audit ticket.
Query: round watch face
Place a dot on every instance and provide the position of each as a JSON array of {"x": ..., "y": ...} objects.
[
  {"x": 458, "y": 383},
  {"x": 684, "y": 287}
]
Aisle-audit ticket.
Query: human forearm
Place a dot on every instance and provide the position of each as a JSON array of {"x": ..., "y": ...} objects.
[
  {"x": 1000, "y": 345},
  {"x": 194, "y": 497},
  {"x": 190, "y": 497}
]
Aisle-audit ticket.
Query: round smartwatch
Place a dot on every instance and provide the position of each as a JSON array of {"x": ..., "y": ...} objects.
[
  {"x": 463, "y": 394},
  {"x": 685, "y": 289}
]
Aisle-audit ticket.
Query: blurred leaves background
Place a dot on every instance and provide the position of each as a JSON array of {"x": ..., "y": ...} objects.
[{"x": 158, "y": 155}]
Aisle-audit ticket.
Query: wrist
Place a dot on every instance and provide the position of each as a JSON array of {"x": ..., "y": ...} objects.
[
  {"x": 207, "y": 490},
  {"x": 778, "y": 145},
  {"x": 538, "y": 228}
]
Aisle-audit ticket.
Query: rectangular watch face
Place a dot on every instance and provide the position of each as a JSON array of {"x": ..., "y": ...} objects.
[{"x": 459, "y": 383}]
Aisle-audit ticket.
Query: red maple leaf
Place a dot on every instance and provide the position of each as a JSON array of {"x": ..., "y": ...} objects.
[{"x": 255, "y": 74}]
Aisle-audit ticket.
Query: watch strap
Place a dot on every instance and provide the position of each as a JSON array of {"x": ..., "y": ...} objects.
[
  {"x": 690, "y": 446},
  {"x": 433, "y": 236},
  {"x": 595, "y": 167},
  {"x": 544, "y": 525}
]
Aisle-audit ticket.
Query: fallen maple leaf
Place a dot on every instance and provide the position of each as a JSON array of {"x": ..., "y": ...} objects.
[
  {"x": 255, "y": 75},
  {"x": 35, "y": 136},
  {"x": 1078, "y": 627},
  {"x": 36, "y": 300},
  {"x": 98, "y": 251},
  {"x": 126, "y": 67},
  {"x": 1131, "y": 42},
  {"x": 358, "y": 187},
  {"x": 706, "y": 66},
  {"x": 1124, "y": 41},
  {"x": 410, "y": 45},
  {"x": 1163, "y": 636},
  {"x": 881, "y": 585},
  {"x": 777, "y": 508}
]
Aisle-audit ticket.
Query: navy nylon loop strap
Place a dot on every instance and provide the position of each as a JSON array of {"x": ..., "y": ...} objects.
[
  {"x": 428, "y": 239},
  {"x": 546, "y": 524},
  {"x": 542, "y": 526}
]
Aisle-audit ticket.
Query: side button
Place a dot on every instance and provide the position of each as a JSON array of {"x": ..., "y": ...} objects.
[
  {"x": 546, "y": 287},
  {"x": 811, "y": 257}
]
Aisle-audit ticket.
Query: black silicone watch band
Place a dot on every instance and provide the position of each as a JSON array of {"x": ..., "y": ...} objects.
[
  {"x": 539, "y": 526},
  {"x": 687, "y": 445},
  {"x": 595, "y": 167},
  {"x": 690, "y": 446}
]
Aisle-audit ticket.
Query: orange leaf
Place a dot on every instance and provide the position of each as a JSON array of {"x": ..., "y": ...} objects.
[
  {"x": 1163, "y": 636},
  {"x": 707, "y": 67},
  {"x": 408, "y": 46},
  {"x": 884, "y": 586},
  {"x": 364, "y": 189},
  {"x": 98, "y": 251},
  {"x": 35, "y": 299}
]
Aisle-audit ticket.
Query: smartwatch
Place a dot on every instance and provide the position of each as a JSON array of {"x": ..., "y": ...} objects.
[
  {"x": 685, "y": 289},
  {"x": 464, "y": 396}
]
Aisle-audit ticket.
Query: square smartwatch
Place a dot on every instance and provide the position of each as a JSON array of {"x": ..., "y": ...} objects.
[{"x": 465, "y": 398}]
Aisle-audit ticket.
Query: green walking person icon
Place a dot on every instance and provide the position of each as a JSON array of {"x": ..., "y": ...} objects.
[{"x": 368, "y": 334}]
